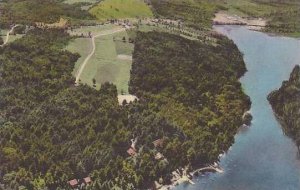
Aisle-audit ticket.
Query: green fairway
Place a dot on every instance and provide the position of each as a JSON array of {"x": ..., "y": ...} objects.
[
  {"x": 104, "y": 65},
  {"x": 109, "y": 9},
  {"x": 81, "y": 46}
]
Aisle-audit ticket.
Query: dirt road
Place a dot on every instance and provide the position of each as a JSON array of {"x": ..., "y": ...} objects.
[{"x": 103, "y": 33}]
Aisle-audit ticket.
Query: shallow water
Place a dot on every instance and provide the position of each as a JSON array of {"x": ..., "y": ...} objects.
[{"x": 262, "y": 158}]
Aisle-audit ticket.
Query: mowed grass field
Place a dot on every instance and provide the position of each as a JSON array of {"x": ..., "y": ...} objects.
[
  {"x": 247, "y": 7},
  {"x": 104, "y": 65},
  {"x": 83, "y": 45},
  {"x": 118, "y": 9},
  {"x": 80, "y": 1},
  {"x": 11, "y": 37}
]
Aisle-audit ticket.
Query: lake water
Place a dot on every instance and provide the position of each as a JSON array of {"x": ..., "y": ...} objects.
[{"x": 261, "y": 158}]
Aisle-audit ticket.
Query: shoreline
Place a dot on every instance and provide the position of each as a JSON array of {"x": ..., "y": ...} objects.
[
  {"x": 186, "y": 177},
  {"x": 223, "y": 18}
]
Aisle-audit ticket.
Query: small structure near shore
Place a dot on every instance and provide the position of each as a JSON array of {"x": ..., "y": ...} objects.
[
  {"x": 79, "y": 184},
  {"x": 87, "y": 180},
  {"x": 73, "y": 183}
]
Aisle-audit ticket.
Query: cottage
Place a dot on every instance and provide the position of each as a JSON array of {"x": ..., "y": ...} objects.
[
  {"x": 131, "y": 152},
  {"x": 73, "y": 183},
  {"x": 87, "y": 180}
]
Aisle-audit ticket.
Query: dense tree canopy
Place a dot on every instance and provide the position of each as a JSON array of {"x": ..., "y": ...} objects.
[
  {"x": 52, "y": 131},
  {"x": 31, "y": 11},
  {"x": 196, "y": 14},
  {"x": 286, "y": 105},
  {"x": 194, "y": 86}
]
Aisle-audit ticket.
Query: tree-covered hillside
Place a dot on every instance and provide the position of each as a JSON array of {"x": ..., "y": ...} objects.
[
  {"x": 194, "y": 86},
  {"x": 286, "y": 104},
  {"x": 31, "y": 11},
  {"x": 196, "y": 14},
  {"x": 52, "y": 132}
]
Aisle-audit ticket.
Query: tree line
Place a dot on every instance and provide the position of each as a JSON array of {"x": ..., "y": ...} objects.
[{"x": 286, "y": 105}]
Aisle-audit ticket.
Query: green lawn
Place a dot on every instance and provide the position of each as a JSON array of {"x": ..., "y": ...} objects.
[
  {"x": 81, "y": 46},
  {"x": 247, "y": 7},
  {"x": 80, "y": 1},
  {"x": 11, "y": 37},
  {"x": 109, "y": 9},
  {"x": 104, "y": 65},
  {"x": 121, "y": 47}
]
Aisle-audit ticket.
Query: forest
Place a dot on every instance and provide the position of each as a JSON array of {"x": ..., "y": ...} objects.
[
  {"x": 196, "y": 14},
  {"x": 28, "y": 12},
  {"x": 286, "y": 105},
  {"x": 195, "y": 87},
  {"x": 52, "y": 132}
]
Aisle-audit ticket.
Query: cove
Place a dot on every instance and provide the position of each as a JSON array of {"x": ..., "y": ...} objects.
[{"x": 262, "y": 157}]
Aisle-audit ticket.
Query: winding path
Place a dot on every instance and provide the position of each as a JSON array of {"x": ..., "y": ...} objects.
[
  {"x": 7, "y": 35},
  {"x": 104, "y": 33}
]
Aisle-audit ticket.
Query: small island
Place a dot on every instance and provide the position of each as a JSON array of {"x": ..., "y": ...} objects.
[{"x": 286, "y": 105}]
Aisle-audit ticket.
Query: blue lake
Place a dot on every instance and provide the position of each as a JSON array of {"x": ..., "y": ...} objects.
[{"x": 262, "y": 157}]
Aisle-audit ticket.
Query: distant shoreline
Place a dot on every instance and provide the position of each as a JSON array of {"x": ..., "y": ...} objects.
[{"x": 222, "y": 18}]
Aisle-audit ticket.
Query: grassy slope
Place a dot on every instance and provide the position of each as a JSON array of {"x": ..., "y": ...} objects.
[
  {"x": 107, "y": 66},
  {"x": 11, "y": 37},
  {"x": 81, "y": 46},
  {"x": 246, "y": 8},
  {"x": 109, "y": 9},
  {"x": 80, "y": 1},
  {"x": 103, "y": 65}
]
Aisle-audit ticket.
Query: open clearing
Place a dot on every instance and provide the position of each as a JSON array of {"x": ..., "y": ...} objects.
[
  {"x": 80, "y": 1},
  {"x": 7, "y": 38},
  {"x": 109, "y": 9},
  {"x": 104, "y": 65}
]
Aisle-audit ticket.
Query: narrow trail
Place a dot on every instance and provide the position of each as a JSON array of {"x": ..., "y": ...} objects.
[
  {"x": 104, "y": 33},
  {"x": 8, "y": 34}
]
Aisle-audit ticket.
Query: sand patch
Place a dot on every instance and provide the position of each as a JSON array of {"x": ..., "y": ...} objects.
[{"x": 129, "y": 98}]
